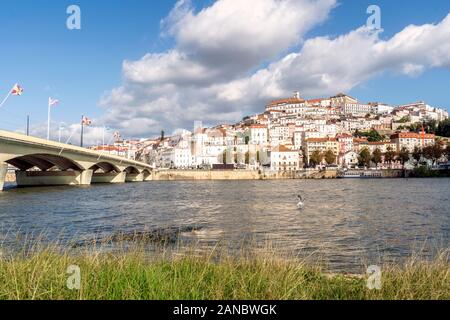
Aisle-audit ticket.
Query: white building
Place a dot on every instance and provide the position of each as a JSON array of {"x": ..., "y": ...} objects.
[
  {"x": 259, "y": 134},
  {"x": 279, "y": 134},
  {"x": 348, "y": 159},
  {"x": 381, "y": 108},
  {"x": 177, "y": 158},
  {"x": 410, "y": 140},
  {"x": 356, "y": 109},
  {"x": 284, "y": 159}
]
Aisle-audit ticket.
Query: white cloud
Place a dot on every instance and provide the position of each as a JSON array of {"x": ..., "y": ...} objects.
[
  {"x": 326, "y": 66},
  {"x": 172, "y": 67},
  {"x": 71, "y": 133},
  {"x": 219, "y": 44},
  {"x": 236, "y": 35},
  {"x": 214, "y": 72}
]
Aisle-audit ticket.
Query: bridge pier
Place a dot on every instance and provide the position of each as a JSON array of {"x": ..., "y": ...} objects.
[
  {"x": 53, "y": 178},
  {"x": 3, "y": 171},
  {"x": 148, "y": 177},
  {"x": 135, "y": 177},
  {"x": 110, "y": 177}
]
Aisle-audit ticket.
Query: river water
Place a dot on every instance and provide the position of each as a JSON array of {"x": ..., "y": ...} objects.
[{"x": 346, "y": 223}]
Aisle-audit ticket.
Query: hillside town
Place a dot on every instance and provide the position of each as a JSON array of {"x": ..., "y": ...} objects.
[{"x": 294, "y": 133}]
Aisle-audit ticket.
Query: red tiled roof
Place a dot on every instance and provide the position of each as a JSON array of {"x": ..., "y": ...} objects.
[
  {"x": 321, "y": 140},
  {"x": 282, "y": 148},
  {"x": 316, "y": 100},
  {"x": 344, "y": 135},
  {"x": 412, "y": 135}
]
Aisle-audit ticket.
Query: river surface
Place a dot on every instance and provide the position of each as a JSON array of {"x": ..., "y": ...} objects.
[{"x": 347, "y": 223}]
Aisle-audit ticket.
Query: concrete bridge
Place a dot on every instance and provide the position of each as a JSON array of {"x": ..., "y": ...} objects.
[{"x": 40, "y": 162}]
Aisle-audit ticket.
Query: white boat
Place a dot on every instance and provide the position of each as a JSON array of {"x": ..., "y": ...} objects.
[
  {"x": 351, "y": 175},
  {"x": 366, "y": 174}
]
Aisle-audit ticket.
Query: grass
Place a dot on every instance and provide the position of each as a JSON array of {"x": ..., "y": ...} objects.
[{"x": 41, "y": 273}]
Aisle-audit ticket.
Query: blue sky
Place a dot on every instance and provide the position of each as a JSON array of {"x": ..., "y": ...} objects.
[
  {"x": 79, "y": 67},
  {"x": 75, "y": 66}
]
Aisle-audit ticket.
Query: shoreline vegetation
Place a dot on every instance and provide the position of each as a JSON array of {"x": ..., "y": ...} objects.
[{"x": 42, "y": 272}]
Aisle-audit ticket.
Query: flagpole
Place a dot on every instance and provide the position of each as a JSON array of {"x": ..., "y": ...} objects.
[
  {"x": 7, "y": 97},
  {"x": 59, "y": 133},
  {"x": 104, "y": 129},
  {"x": 48, "y": 120},
  {"x": 82, "y": 130},
  {"x": 28, "y": 125}
]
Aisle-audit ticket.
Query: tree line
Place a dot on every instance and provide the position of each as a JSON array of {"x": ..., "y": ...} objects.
[
  {"x": 439, "y": 128},
  {"x": 432, "y": 153}
]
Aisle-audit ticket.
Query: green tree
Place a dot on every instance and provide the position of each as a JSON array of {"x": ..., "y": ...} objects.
[
  {"x": 447, "y": 152},
  {"x": 247, "y": 140},
  {"x": 373, "y": 135},
  {"x": 330, "y": 157},
  {"x": 430, "y": 126},
  {"x": 405, "y": 119},
  {"x": 162, "y": 135},
  {"x": 376, "y": 156},
  {"x": 364, "y": 157},
  {"x": 403, "y": 155},
  {"x": 390, "y": 155},
  {"x": 434, "y": 152},
  {"x": 443, "y": 128},
  {"x": 315, "y": 158},
  {"x": 258, "y": 156},
  {"x": 247, "y": 157},
  {"x": 438, "y": 150},
  {"x": 415, "y": 127},
  {"x": 224, "y": 157},
  {"x": 417, "y": 154}
]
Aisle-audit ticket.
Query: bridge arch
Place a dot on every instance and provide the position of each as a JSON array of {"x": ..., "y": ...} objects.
[
  {"x": 106, "y": 167},
  {"x": 44, "y": 162},
  {"x": 132, "y": 170},
  {"x": 147, "y": 174}
]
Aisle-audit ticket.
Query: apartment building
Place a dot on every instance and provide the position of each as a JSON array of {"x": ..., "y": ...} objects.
[
  {"x": 322, "y": 145},
  {"x": 284, "y": 159},
  {"x": 410, "y": 140}
]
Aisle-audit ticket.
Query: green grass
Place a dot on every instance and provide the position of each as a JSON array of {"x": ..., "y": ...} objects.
[{"x": 135, "y": 274}]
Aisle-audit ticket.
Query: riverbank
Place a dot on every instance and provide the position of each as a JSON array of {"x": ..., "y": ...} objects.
[
  {"x": 424, "y": 172},
  {"x": 175, "y": 175},
  {"x": 194, "y": 175},
  {"x": 137, "y": 275}
]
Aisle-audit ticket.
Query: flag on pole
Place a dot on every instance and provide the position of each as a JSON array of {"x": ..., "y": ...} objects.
[
  {"x": 86, "y": 121},
  {"x": 17, "y": 90},
  {"x": 52, "y": 102}
]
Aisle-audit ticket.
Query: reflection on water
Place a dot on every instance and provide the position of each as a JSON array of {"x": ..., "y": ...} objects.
[{"x": 346, "y": 222}]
